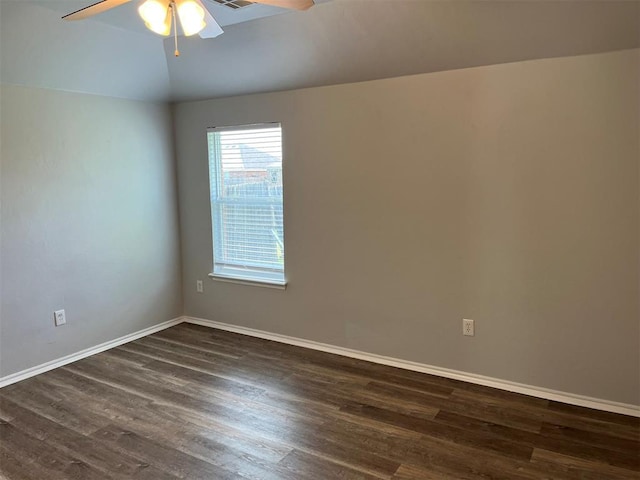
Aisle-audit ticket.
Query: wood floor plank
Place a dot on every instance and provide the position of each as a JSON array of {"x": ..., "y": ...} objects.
[
  {"x": 455, "y": 434},
  {"x": 411, "y": 472},
  {"x": 153, "y": 421},
  {"x": 164, "y": 457},
  {"x": 572, "y": 468},
  {"x": 231, "y": 409},
  {"x": 307, "y": 466},
  {"x": 98, "y": 368},
  {"x": 203, "y": 353},
  {"x": 13, "y": 468},
  {"x": 208, "y": 380},
  {"x": 40, "y": 398},
  {"x": 206, "y": 340},
  {"x": 240, "y": 371},
  {"x": 417, "y": 396},
  {"x": 118, "y": 406},
  {"x": 303, "y": 432},
  {"x": 447, "y": 458},
  {"x": 470, "y": 463},
  {"x": 507, "y": 398},
  {"x": 46, "y": 461},
  {"x": 576, "y": 435},
  {"x": 75, "y": 445},
  {"x": 626, "y": 458},
  {"x": 589, "y": 413},
  {"x": 192, "y": 402},
  {"x": 536, "y": 416},
  {"x": 496, "y": 411}
]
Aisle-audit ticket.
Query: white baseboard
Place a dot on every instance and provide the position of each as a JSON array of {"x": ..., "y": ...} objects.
[
  {"x": 546, "y": 393},
  {"x": 45, "y": 367}
]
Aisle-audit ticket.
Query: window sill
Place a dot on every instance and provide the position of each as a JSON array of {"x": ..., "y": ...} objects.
[{"x": 252, "y": 283}]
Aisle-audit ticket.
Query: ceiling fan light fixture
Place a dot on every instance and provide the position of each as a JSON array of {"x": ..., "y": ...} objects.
[
  {"x": 163, "y": 29},
  {"x": 191, "y": 17},
  {"x": 163, "y": 16},
  {"x": 156, "y": 16}
]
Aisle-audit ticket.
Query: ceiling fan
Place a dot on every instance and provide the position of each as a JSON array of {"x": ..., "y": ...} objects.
[{"x": 160, "y": 15}]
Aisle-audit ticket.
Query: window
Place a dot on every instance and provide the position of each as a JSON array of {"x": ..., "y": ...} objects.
[{"x": 245, "y": 172}]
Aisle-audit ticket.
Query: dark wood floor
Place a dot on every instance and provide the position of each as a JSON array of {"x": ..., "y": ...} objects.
[{"x": 195, "y": 403}]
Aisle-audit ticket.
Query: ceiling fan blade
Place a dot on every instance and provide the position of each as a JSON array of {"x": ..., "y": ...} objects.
[
  {"x": 94, "y": 9},
  {"x": 212, "y": 29},
  {"x": 292, "y": 4}
]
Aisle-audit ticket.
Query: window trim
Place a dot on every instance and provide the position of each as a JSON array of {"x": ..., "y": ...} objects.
[
  {"x": 234, "y": 273},
  {"x": 275, "y": 284}
]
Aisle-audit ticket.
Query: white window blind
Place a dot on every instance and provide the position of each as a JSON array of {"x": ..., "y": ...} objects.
[{"x": 245, "y": 171}]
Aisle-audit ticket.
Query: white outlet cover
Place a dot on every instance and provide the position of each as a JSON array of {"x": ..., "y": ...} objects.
[
  {"x": 199, "y": 286},
  {"x": 59, "y": 317},
  {"x": 468, "y": 327}
]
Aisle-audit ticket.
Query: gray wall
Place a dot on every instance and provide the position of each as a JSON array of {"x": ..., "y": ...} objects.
[
  {"x": 507, "y": 194},
  {"x": 88, "y": 222}
]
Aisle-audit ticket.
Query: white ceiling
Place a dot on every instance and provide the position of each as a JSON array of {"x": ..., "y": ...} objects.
[{"x": 337, "y": 41}]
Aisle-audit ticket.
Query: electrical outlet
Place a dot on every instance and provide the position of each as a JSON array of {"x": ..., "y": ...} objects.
[
  {"x": 59, "y": 317},
  {"x": 199, "y": 286},
  {"x": 468, "y": 327}
]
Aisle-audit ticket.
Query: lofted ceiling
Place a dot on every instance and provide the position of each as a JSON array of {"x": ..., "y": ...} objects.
[{"x": 269, "y": 49}]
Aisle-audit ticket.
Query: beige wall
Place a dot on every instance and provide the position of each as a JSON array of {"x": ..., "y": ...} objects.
[
  {"x": 507, "y": 194},
  {"x": 88, "y": 222}
]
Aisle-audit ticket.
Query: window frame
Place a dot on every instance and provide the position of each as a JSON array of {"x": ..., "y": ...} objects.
[{"x": 236, "y": 273}]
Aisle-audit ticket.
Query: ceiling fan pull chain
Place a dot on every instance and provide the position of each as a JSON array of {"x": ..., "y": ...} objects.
[{"x": 175, "y": 27}]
